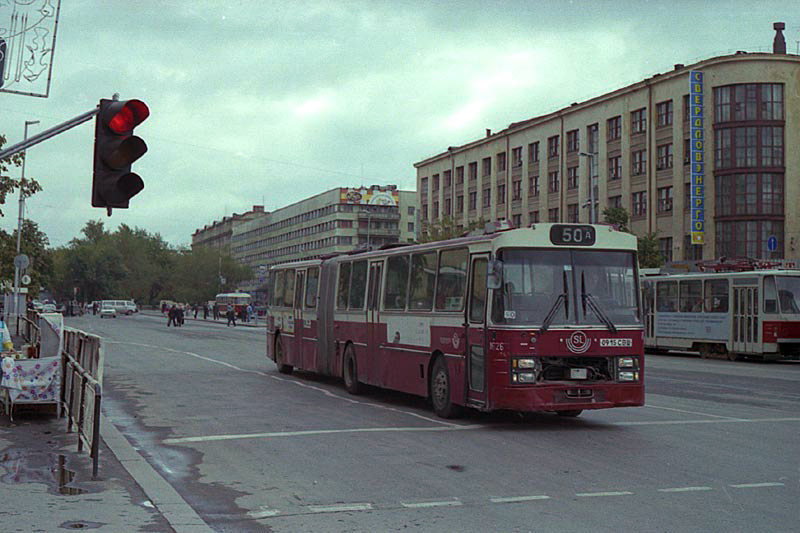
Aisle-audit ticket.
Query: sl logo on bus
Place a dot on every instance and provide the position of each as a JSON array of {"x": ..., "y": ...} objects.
[{"x": 578, "y": 342}]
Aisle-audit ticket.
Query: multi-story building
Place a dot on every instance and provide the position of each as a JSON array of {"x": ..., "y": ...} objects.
[
  {"x": 218, "y": 234},
  {"x": 336, "y": 221},
  {"x": 674, "y": 149}
]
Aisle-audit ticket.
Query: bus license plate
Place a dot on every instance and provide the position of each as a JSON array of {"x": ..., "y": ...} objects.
[{"x": 577, "y": 373}]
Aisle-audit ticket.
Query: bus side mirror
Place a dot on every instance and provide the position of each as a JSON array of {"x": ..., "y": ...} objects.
[{"x": 494, "y": 274}]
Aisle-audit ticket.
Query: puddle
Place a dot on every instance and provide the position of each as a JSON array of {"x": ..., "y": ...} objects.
[{"x": 38, "y": 467}]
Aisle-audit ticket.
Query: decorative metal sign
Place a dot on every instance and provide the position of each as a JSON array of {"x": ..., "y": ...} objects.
[{"x": 27, "y": 43}]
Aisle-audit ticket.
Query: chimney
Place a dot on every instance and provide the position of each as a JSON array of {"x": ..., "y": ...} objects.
[
  {"x": 779, "y": 43},
  {"x": 488, "y": 132},
  {"x": 258, "y": 209},
  {"x": 678, "y": 66}
]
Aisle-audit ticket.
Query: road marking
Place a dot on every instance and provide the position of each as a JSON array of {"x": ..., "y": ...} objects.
[
  {"x": 263, "y": 513},
  {"x": 515, "y": 499},
  {"x": 426, "y": 505},
  {"x": 339, "y": 507},
  {"x": 756, "y": 485},
  {"x": 182, "y": 440},
  {"x": 685, "y": 489},
  {"x": 714, "y": 421},
  {"x": 610, "y": 493},
  {"x": 691, "y": 412}
]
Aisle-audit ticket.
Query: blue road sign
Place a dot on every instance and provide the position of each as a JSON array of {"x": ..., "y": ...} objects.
[{"x": 772, "y": 243}]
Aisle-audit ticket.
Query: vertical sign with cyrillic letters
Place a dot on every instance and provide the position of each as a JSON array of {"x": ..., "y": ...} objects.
[{"x": 696, "y": 156}]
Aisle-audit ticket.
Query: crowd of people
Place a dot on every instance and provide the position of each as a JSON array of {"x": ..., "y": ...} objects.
[{"x": 176, "y": 313}]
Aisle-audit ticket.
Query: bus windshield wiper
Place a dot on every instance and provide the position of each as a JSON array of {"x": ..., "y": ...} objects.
[
  {"x": 587, "y": 298},
  {"x": 552, "y": 313}
]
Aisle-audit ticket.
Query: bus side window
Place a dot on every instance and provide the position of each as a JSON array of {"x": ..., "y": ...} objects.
[
  {"x": 451, "y": 282},
  {"x": 691, "y": 298},
  {"x": 343, "y": 289},
  {"x": 477, "y": 303},
  {"x": 358, "y": 286},
  {"x": 311, "y": 288},
  {"x": 396, "y": 283},
  {"x": 423, "y": 278},
  {"x": 667, "y": 296},
  {"x": 288, "y": 289},
  {"x": 277, "y": 290},
  {"x": 770, "y": 295},
  {"x": 716, "y": 296}
]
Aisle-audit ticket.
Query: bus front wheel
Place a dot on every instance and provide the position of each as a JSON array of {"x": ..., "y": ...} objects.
[
  {"x": 279, "y": 355},
  {"x": 570, "y": 413},
  {"x": 442, "y": 391},
  {"x": 350, "y": 371}
]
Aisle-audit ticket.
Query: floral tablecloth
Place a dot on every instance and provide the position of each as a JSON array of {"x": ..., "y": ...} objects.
[{"x": 32, "y": 380}]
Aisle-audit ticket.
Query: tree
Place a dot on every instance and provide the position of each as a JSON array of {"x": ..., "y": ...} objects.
[
  {"x": 34, "y": 244},
  {"x": 446, "y": 228},
  {"x": 8, "y": 184},
  {"x": 649, "y": 254},
  {"x": 616, "y": 216}
]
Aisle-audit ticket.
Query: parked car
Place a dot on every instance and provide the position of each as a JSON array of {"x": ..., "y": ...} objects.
[{"x": 107, "y": 311}]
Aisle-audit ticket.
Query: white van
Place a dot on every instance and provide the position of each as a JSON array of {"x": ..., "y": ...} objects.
[
  {"x": 131, "y": 305},
  {"x": 122, "y": 307}
]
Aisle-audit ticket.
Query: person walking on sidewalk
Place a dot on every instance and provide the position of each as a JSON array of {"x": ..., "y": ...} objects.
[
  {"x": 231, "y": 316},
  {"x": 171, "y": 316}
]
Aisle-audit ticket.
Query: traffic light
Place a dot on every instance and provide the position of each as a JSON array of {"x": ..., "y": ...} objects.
[{"x": 115, "y": 149}]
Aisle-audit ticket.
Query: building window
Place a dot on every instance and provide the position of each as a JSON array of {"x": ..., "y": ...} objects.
[
  {"x": 749, "y": 194},
  {"x": 614, "y": 128},
  {"x": 460, "y": 203},
  {"x": 638, "y": 121},
  {"x": 423, "y": 185},
  {"x": 639, "y": 162},
  {"x": 615, "y": 201},
  {"x": 411, "y": 210},
  {"x": 665, "y": 247},
  {"x": 552, "y": 214},
  {"x": 516, "y": 157},
  {"x": 435, "y": 214},
  {"x": 447, "y": 206},
  {"x": 501, "y": 193},
  {"x": 615, "y": 167},
  {"x": 411, "y": 227},
  {"x": 747, "y": 238},
  {"x": 692, "y": 252},
  {"x": 533, "y": 186},
  {"x": 639, "y": 204},
  {"x": 424, "y": 211},
  {"x": 436, "y": 182},
  {"x": 487, "y": 197},
  {"x": 533, "y": 216},
  {"x": 552, "y": 181},
  {"x": 592, "y": 138},
  {"x": 665, "y": 199},
  {"x": 572, "y": 213},
  {"x": 748, "y": 147},
  {"x": 573, "y": 141},
  {"x": 552, "y": 146},
  {"x": 533, "y": 152},
  {"x": 501, "y": 161},
  {"x": 459, "y": 175},
  {"x": 473, "y": 171},
  {"x": 516, "y": 190},
  {"x": 473, "y": 200},
  {"x": 664, "y": 113},
  {"x": 516, "y": 220},
  {"x": 487, "y": 166},
  {"x": 686, "y": 108},
  {"x": 572, "y": 177},
  {"x": 448, "y": 178},
  {"x": 750, "y": 101},
  {"x": 664, "y": 156}
]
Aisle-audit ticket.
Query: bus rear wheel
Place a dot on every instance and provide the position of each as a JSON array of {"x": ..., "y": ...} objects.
[
  {"x": 350, "y": 371},
  {"x": 282, "y": 368},
  {"x": 441, "y": 391}
]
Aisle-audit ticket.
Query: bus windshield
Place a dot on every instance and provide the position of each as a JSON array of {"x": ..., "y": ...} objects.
[
  {"x": 573, "y": 287},
  {"x": 789, "y": 294}
]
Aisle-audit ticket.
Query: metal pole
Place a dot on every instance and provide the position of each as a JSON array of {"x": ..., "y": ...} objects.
[
  {"x": 19, "y": 224},
  {"x": 592, "y": 217}
]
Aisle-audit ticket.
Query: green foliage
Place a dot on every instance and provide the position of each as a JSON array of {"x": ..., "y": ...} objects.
[
  {"x": 649, "y": 254},
  {"x": 8, "y": 184},
  {"x": 33, "y": 244},
  {"x": 616, "y": 216},
  {"x": 446, "y": 228}
]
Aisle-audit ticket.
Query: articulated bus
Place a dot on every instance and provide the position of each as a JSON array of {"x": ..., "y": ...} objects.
[
  {"x": 544, "y": 318},
  {"x": 751, "y": 314}
]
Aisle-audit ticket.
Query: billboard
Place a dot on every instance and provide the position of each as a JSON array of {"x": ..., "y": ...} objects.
[
  {"x": 697, "y": 157},
  {"x": 369, "y": 196}
]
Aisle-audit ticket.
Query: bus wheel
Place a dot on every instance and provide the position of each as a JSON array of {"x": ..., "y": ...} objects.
[
  {"x": 441, "y": 391},
  {"x": 734, "y": 357},
  {"x": 570, "y": 414},
  {"x": 350, "y": 371},
  {"x": 282, "y": 368}
]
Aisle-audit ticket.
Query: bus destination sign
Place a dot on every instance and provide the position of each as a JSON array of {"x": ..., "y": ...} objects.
[{"x": 572, "y": 235}]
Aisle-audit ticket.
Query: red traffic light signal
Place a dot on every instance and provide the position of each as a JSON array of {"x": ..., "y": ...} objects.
[{"x": 115, "y": 149}]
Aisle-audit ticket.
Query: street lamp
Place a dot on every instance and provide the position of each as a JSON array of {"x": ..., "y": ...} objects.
[
  {"x": 19, "y": 226},
  {"x": 592, "y": 217}
]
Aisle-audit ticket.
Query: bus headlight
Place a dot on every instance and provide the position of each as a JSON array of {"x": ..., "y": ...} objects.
[
  {"x": 524, "y": 370},
  {"x": 627, "y": 376},
  {"x": 526, "y": 377},
  {"x": 627, "y": 362},
  {"x": 526, "y": 363}
]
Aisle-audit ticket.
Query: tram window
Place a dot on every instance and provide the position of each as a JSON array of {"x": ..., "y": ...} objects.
[
  {"x": 667, "y": 296},
  {"x": 423, "y": 279},
  {"x": 716, "y": 296},
  {"x": 477, "y": 305},
  {"x": 358, "y": 286},
  {"x": 277, "y": 289},
  {"x": 396, "y": 283},
  {"x": 452, "y": 280},
  {"x": 288, "y": 289},
  {"x": 770, "y": 295},
  {"x": 343, "y": 288},
  {"x": 311, "y": 288},
  {"x": 691, "y": 300}
]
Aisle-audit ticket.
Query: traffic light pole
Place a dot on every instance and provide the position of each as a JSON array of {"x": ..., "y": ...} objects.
[{"x": 52, "y": 132}]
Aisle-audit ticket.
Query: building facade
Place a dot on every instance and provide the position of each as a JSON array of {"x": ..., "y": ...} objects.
[
  {"x": 335, "y": 221},
  {"x": 218, "y": 234},
  {"x": 648, "y": 146}
]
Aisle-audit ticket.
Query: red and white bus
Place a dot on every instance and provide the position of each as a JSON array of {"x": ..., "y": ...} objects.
[
  {"x": 239, "y": 301},
  {"x": 749, "y": 314},
  {"x": 544, "y": 318}
]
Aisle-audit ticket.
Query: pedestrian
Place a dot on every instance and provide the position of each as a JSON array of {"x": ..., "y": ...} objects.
[
  {"x": 171, "y": 315},
  {"x": 194, "y": 308},
  {"x": 249, "y": 314},
  {"x": 231, "y": 316},
  {"x": 215, "y": 310},
  {"x": 95, "y": 305},
  {"x": 205, "y": 311}
]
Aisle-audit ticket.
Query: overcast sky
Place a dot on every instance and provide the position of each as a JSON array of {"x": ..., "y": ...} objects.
[{"x": 262, "y": 102}]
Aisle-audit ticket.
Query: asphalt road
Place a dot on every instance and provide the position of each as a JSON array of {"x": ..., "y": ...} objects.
[{"x": 716, "y": 448}]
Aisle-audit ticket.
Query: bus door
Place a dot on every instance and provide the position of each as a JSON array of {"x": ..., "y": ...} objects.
[
  {"x": 297, "y": 316},
  {"x": 475, "y": 334},
  {"x": 309, "y": 333},
  {"x": 745, "y": 319},
  {"x": 375, "y": 336}
]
